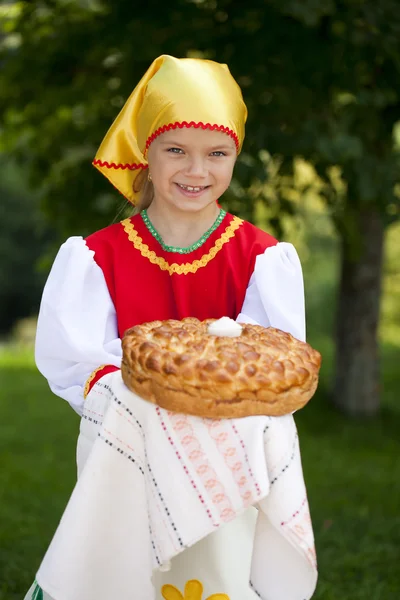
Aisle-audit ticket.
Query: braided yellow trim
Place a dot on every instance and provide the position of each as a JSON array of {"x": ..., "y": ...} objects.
[
  {"x": 185, "y": 268},
  {"x": 90, "y": 379}
]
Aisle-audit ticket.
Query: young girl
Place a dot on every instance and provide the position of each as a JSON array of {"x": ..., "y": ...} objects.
[{"x": 171, "y": 152}]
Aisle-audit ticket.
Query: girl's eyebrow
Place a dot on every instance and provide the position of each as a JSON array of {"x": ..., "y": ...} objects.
[
  {"x": 223, "y": 147},
  {"x": 171, "y": 143}
]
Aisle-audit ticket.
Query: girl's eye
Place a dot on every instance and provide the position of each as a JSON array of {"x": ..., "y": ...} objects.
[
  {"x": 218, "y": 153},
  {"x": 175, "y": 150}
]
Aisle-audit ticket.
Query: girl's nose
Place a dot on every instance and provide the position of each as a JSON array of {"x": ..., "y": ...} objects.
[{"x": 196, "y": 167}]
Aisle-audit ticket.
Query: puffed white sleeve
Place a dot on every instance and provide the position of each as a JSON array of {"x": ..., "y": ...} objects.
[
  {"x": 275, "y": 293},
  {"x": 77, "y": 325}
]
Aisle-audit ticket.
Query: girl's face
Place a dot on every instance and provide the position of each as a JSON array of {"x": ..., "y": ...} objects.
[{"x": 191, "y": 168}]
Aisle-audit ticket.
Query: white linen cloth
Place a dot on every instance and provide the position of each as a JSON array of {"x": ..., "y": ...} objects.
[
  {"x": 159, "y": 490},
  {"x": 77, "y": 327}
]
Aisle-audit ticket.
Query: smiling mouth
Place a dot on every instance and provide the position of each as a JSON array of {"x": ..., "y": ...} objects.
[{"x": 190, "y": 188}]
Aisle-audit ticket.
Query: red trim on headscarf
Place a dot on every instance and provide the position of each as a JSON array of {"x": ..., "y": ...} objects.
[
  {"x": 182, "y": 124},
  {"x": 131, "y": 167}
]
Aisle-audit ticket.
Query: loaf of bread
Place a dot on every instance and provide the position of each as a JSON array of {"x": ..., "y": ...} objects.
[{"x": 181, "y": 367}]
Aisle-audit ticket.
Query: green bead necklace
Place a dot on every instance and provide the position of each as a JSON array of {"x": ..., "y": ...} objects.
[{"x": 189, "y": 249}]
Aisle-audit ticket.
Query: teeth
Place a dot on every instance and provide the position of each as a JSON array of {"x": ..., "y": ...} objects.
[{"x": 189, "y": 188}]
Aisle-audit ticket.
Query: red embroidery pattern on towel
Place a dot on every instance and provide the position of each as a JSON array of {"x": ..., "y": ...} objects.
[
  {"x": 202, "y": 466},
  {"x": 171, "y": 441},
  {"x": 312, "y": 556},
  {"x": 258, "y": 490},
  {"x": 299, "y": 526},
  {"x": 295, "y": 514},
  {"x": 227, "y": 446}
]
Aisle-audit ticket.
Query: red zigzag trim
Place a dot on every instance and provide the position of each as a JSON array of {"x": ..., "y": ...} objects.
[
  {"x": 131, "y": 167},
  {"x": 182, "y": 124}
]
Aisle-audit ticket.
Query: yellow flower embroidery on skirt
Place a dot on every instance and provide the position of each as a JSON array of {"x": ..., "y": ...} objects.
[{"x": 193, "y": 591}]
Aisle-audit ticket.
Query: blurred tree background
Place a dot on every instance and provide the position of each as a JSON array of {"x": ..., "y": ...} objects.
[
  {"x": 321, "y": 80},
  {"x": 24, "y": 243},
  {"x": 320, "y": 166}
]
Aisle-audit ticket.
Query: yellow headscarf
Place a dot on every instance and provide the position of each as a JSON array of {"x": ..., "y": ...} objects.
[{"x": 173, "y": 93}]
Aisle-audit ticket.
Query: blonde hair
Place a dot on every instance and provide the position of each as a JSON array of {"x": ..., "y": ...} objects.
[{"x": 145, "y": 189}]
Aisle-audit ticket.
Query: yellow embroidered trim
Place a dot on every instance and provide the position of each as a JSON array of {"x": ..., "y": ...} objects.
[
  {"x": 193, "y": 591},
  {"x": 90, "y": 379},
  {"x": 185, "y": 268}
]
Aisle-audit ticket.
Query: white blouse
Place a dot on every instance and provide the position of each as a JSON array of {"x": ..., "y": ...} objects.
[{"x": 77, "y": 327}]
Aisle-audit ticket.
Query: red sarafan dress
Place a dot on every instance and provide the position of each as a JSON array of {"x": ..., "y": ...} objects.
[
  {"x": 122, "y": 276},
  {"x": 147, "y": 282},
  {"x": 198, "y": 538}
]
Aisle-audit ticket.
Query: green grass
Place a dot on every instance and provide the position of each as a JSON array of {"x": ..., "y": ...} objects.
[{"x": 37, "y": 452}]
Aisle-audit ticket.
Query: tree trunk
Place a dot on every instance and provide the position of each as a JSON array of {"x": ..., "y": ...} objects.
[{"x": 356, "y": 389}]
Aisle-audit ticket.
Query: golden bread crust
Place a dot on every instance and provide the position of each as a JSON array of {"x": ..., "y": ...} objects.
[{"x": 179, "y": 366}]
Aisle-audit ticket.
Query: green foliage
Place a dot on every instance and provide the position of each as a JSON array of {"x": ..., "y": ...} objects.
[
  {"x": 321, "y": 79},
  {"x": 23, "y": 238}
]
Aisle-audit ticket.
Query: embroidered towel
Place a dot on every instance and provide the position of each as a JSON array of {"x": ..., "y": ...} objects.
[{"x": 152, "y": 484}]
